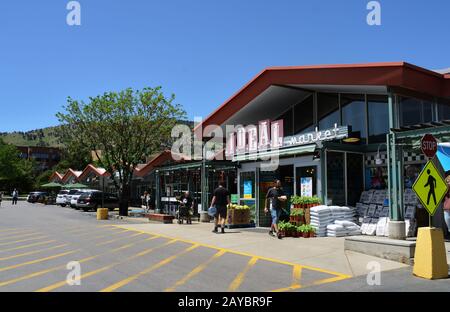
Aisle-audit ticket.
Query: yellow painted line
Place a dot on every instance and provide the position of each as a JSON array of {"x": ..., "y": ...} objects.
[
  {"x": 110, "y": 234},
  {"x": 296, "y": 277},
  {"x": 16, "y": 231},
  {"x": 94, "y": 272},
  {"x": 8, "y": 230},
  {"x": 128, "y": 280},
  {"x": 18, "y": 236},
  {"x": 43, "y": 272},
  {"x": 330, "y": 280},
  {"x": 118, "y": 239},
  {"x": 23, "y": 240},
  {"x": 32, "y": 252},
  {"x": 243, "y": 253},
  {"x": 30, "y": 245},
  {"x": 196, "y": 271},
  {"x": 37, "y": 260},
  {"x": 241, "y": 276}
]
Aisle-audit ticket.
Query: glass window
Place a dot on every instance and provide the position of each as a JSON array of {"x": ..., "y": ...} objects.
[
  {"x": 247, "y": 187},
  {"x": 306, "y": 181},
  {"x": 288, "y": 121},
  {"x": 414, "y": 111},
  {"x": 378, "y": 118},
  {"x": 354, "y": 113},
  {"x": 328, "y": 110},
  {"x": 335, "y": 178},
  {"x": 355, "y": 178},
  {"x": 443, "y": 110},
  {"x": 304, "y": 116}
]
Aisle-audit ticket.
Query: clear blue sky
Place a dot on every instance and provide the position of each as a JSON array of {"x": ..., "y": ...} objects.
[{"x": 201, "y": 50}]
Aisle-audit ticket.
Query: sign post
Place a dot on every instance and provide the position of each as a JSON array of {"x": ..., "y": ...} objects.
[{"x": 430, "y": 259}]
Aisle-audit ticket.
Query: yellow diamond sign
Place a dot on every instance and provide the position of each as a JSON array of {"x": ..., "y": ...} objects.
[{"x": 430, "y": 187}]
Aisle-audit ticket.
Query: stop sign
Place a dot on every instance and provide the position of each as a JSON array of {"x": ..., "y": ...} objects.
[{"x": 429, "y": 145}]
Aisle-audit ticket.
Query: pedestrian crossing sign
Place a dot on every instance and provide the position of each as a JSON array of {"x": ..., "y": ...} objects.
[{"x": 430, "y": 188}]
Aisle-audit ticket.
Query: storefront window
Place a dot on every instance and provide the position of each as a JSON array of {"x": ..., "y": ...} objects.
[
  {"x": 304, "y": 116},
  {"x": 306, "y": 181},
  {"x": 336, "y": 178},
  {"x": 443, "y": 110},
  {"x": 328, "y": 110},
  {"x": 354, "y": 113},
  {"x": 355, "y": 178},
  {"x": 378, "y": 118},
  {"x": 414, "y": 111},
  {"x": 247, "y": 185},
  {"x": 288, "y": 122}
]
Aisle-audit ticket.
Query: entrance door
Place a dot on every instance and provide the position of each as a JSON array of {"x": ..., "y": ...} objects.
[{"x": 306, "y": 181}]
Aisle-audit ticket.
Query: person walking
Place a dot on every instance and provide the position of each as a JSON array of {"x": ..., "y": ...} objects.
[
  {"x": 221, "y": 200},
  {"x": 15, "y": 196},
  {"x": 447, "y": 208},
  {"x": 274, "y": 199}
]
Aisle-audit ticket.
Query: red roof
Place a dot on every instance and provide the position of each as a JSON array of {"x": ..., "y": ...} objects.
[
  {"x": 69, "y": 173},
  {"x": 97, "y": 171},
  {"x": 56, "y": 175},
  {"x": 158, "y": 161},
  {"x": 399, "y": 74}
]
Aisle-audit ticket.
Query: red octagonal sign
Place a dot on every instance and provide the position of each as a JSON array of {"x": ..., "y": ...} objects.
[{"x": 429, "y": 145}]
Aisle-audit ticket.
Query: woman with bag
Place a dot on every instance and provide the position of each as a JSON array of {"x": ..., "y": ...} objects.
[{"x": 447, "y": 206}]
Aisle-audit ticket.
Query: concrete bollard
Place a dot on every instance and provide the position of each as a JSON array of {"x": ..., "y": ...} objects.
[
  {"x": 204, "y": 217},
  {"x": 102, "y": 213},
  {"x": 430, "y": 259}
]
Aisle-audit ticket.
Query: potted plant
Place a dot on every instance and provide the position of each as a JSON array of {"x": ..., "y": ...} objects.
[
  {"x": 296, "y": 216},
  {"x": 282, "y": 228},
  {"x": 304, "y": 231},
  {"x": 312, "y": 231}
]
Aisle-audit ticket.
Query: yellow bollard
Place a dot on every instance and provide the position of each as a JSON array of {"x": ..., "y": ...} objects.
[
  {"x": 430, "y": 259},
  {"x": 102, "y": 213}
]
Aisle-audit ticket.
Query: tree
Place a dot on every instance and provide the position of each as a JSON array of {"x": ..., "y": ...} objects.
[
  {"x": 121, "y": 129},
  {"x": 14, "y": 171}
]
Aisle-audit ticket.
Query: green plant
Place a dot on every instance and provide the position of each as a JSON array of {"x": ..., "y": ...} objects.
[
  {"x": 295, "y": 200},
  {"x": 316, "y": 200},
  {"x": 297, "y": 212}
]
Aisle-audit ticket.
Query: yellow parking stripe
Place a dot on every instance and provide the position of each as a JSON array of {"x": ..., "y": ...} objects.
[
  {"x": 117, "y": 239},
  {"x": 3, "y": 238},
  {"x": 8, "y": 230},
  {"x": 32, "y": 252},
  {"x": 330, "y": 280},
  {"x": 196, "y": 271},
  {"x": 243, "y": 253},
  {"x": 296, "y": 277},
  {"x": 128, "y": 280},
  {"x": 240, "y": 277},
  {"x": 94, "y": 272},
  {"x": 15, "y": 231},
  {"x": 37, "y": 260},
  {"x": 43, "y": 272},
  {"x": 30, "y": 245},
  {"x": 23, "y": 240},
  {"x": 110, "y": 234}
]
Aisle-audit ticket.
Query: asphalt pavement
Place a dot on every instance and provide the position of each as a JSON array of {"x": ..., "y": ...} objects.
[{"x": 50, "y": 248}]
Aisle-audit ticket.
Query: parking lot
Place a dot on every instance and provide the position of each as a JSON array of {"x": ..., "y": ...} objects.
[{"x": 38, "y": 244}]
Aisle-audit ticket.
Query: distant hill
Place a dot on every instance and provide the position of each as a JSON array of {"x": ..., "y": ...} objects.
[{"x": 39, "y": 137}]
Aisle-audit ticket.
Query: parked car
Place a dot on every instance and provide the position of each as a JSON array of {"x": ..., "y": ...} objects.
[
  {"x": 61, "y": 198},
  {"x": 93, "y": 200},
  {"x": 35, "y": 197},
  {"x": 74, "y": 197},
  {"x": 68, "y": 196}
]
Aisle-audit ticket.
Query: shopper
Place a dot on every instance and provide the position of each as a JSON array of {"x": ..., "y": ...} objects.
[
  {"x": 447, "y": 207},
  {"x": 146, "y": 199},
  {"x": 15, "y": 196},
  {"x": 188, "y": 203},
  {"x": 221, "y": 200},
  {"x": 274, "y": 199}
]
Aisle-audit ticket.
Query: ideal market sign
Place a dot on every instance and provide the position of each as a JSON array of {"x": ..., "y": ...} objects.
[{"x": 269, "y": 136}]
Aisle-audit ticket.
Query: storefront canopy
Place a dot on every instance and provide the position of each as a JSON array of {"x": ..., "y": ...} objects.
[
  {"x": 75, "y": 186},
  {"x": 51, "y": 185},
  {"x": 443, "y": 155}
]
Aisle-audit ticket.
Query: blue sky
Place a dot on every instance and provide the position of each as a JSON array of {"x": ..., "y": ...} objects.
[{"x": 201, "y": 50}]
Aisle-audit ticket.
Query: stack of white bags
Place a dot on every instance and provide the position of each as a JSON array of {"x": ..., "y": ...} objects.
[
  {"x": 320, "y": 219},
  {"x": 334, "y": 221}
]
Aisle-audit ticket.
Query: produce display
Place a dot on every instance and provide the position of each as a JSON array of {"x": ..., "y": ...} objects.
[{"x": 238, "y": 214}]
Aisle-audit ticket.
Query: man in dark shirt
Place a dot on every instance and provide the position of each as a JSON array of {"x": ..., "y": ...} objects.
[
  {"x": 221, "y": 199},
  {"x": 274, "y": 199},
  {"x": 188, "y": 202}
]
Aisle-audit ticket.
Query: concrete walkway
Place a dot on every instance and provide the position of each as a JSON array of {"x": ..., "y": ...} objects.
[{"x": 321, "y": 253}]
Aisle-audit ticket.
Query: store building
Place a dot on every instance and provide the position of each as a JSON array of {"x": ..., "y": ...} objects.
[
  {"x": 45, "y": 157},
  {"x": 329, "y": 127}
]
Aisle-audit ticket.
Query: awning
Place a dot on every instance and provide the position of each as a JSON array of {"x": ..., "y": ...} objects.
[
  {"x": 51, "y": 185},
  {"x": 306, "y": 149},
  {"x": 443, "y": 155}
]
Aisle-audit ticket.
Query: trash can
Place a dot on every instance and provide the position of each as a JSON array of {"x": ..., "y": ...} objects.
[{"x": 102, "y": 213}]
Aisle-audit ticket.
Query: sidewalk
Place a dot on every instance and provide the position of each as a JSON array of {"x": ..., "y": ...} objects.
[{"x": 322, "y": 253}]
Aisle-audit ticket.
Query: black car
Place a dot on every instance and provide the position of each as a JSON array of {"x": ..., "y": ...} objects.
[
  {"x": 93, "y": 200},
  {"x": 35, "y": 197}
]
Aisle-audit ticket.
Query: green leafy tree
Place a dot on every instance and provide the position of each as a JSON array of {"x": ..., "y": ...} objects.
[
  {"x": 15, "y": 172},
  {"x": 122, "y": 129}
]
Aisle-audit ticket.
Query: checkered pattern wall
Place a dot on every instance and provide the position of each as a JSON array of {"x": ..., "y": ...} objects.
[{"x": 409, "y": 159}]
